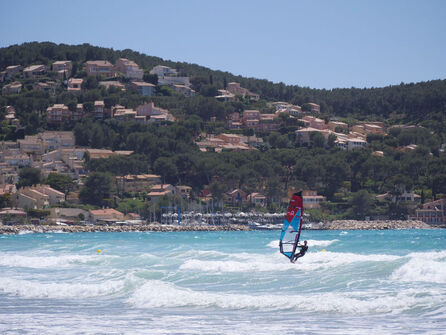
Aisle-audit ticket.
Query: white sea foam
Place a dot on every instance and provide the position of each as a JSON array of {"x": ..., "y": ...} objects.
[
  {"x": 205, "y": 253},
  {"x": 58, "y": 290},
  {"x": 24, "y": 232},
  {"x": 321, "y": 243},
  {"x": 234, "y": 266},
  {"x": 311, "y": 243},
  {"x": 276, "y": 262},
  {"x": 158, "y": 294},
  {"x": 44, "y": 261},
  {"x": 423, "y": 267}
]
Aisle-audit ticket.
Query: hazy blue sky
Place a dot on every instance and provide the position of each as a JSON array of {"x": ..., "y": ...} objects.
[{"x": 320, "y": 44}]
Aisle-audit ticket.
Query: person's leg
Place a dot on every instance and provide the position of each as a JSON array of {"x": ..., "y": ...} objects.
[{"x": 296, "y": 256}]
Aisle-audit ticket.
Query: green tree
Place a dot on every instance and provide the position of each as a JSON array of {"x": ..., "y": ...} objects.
[
  {"x": 218, "y": 191},
  {"x": 336, "y": 172},
  {"x": 90, "y": 83},
  {"x": 439, "y": 185},
  {"x": 5, "y": 200},
  {"x": 360, "y": 204},
  {"x": 61, "y": 182},
  {"x": 150, "y": 78},
  {"x": 317, "y": 140},
  {"x": 208, "y": 90},
  {"x": 98, "y": 187},
  {"x": 29, "y": 177},
  {"x": 166, "y": 167},
  {"x": 331, "y": 141}
]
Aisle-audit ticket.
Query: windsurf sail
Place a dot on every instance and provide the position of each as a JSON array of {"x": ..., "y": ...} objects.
[{"x": 292, "y": 226}]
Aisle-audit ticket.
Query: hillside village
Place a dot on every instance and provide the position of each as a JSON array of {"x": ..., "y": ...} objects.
[{"x": 253, "y": 124}]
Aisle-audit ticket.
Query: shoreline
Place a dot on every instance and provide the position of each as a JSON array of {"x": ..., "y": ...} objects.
[{"x": 334, "y": 225}]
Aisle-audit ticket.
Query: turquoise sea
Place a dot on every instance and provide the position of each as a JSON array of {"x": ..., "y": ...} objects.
[{"x": 350, "y": 282}]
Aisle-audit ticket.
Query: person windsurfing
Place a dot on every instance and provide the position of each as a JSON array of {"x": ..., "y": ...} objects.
[
  {"x": 292, "y": 227},
  {"x": 301, "y": 253}
]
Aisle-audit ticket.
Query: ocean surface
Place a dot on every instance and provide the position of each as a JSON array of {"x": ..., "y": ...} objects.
[{"x": 349, "y": 282}]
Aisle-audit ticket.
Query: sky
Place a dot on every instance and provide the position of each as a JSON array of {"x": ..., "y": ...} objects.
[{"x": 313, "y": 43}]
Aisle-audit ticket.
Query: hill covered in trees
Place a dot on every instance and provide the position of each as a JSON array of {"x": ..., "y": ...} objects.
[
  {"x": 423, "y": 103},
  {"x": 349, "y": 180}
]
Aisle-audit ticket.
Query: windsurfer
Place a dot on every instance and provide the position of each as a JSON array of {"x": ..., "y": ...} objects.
[{"x": 301, "y": 253}]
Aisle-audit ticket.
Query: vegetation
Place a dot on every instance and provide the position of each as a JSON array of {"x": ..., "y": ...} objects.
[
  {"x": 29, "y": 177},
  {"x": 349, "y": 180}
]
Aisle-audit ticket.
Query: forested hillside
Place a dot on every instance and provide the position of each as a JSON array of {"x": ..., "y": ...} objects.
[
  {"x": 422, "y": 103},
  {"x": 349, "y": 180}
]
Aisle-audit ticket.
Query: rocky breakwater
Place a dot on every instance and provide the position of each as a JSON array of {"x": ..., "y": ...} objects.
[
  {"x": 17, "y": 229},
  {"x": 374, "y": 225}
]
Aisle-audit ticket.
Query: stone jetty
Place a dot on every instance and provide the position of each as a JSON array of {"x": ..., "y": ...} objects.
[
  {"x": 44, "y": 228},
  {"x": 156, "y": 227},
  {"x": 373, "y": 225}
]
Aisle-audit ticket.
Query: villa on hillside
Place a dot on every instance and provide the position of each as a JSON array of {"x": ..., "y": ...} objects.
[
  {"x": 58, "y": 114},
  {"x": 34, "y": 71},
  {"x": 75, "y": 85},
  {"x": 129, "y": 68},
  {"x": 314, "y": 108},
  {"x": 99, "y": 67},
  {"x": 63, "y": 68},
  {"x": 13, "y": 88},
  {"x": 236, "y": 89},
  {"x": 143, "y": 88},
  {"x": 11, "y": 71}
]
